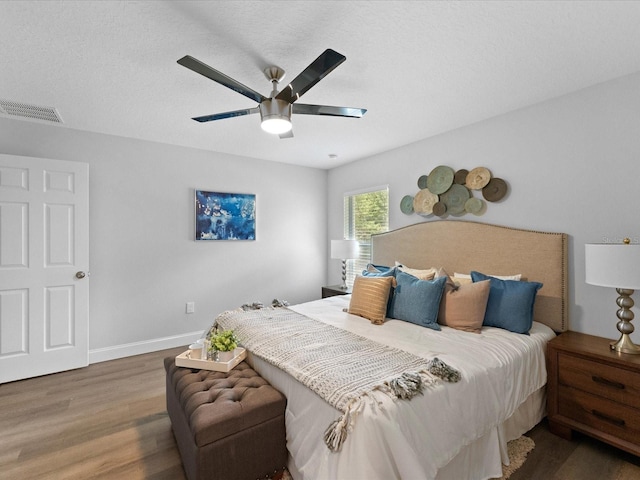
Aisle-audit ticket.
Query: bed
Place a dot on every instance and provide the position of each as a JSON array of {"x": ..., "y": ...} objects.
[{"x": 451, "y": 430}]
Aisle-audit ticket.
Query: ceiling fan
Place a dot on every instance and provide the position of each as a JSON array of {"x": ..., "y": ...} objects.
[{"x": 276, "y": 110}]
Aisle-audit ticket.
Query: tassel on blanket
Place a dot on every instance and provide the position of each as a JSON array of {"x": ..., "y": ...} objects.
[
  {"x": 276, "y": 303},
  {"x": 252, "y": 306},
  {"x": 336, "y": 433},
  {"x": 406, "y": 386},
  {"x": 440, "y": 369}
]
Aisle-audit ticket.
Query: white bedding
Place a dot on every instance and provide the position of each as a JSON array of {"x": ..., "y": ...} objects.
[{"x": 453, "y": 431}]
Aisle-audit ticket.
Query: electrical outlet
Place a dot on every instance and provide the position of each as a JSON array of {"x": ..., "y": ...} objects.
[{"x": 191, "y": 307}]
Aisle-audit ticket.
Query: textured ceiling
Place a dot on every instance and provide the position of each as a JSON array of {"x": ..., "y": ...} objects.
[{"x": 420, "y": 68}]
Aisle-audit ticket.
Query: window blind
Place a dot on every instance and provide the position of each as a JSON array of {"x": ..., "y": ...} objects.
[{"x": 365, "y": 213}]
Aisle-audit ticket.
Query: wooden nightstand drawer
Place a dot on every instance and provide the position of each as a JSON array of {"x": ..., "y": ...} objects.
[
  {"x": 616, "y": 384},
  {"x": 600, "y": 414},
  {"x": 593, "y": 390}
]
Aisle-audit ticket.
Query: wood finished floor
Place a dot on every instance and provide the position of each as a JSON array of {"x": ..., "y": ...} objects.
[{"x": 109, "y": 421}]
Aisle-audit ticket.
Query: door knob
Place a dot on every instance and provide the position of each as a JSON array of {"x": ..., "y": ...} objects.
[{"x": 80, "y": 274}]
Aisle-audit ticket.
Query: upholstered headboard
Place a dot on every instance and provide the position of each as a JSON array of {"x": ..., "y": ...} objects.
[{"x": 461, "y": 246}]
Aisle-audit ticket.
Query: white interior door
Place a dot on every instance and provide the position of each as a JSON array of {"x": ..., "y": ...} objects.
[{"x": 44, "y": 261}]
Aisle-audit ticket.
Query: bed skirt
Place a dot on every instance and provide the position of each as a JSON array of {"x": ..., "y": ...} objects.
[{"x": 310, "y": 459}]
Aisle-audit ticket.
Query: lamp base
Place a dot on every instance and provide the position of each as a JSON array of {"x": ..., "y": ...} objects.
[
  {"x": 344, "y": 275},
  {"x": 625, "y": 345},
  {"x": 625, "y": 327}
]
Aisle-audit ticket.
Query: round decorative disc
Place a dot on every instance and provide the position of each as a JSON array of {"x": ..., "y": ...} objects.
[
  {"x": 478, "y": 178},
  {"x": 423, "y": 202},
  {"x": 422, "y": 182},
  {"x": 455, "y": 198},
  {"x": 495, "y": 190},
  {"x": 439, "y": 209},
  {"x": 461, "y": 176},
  {"x": 440, "y": 179},
  {"x": 473, "y": 205},
  {"x": 406, "y": 205}
]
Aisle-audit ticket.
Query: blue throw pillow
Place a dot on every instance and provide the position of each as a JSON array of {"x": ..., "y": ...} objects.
[
  {"x": 417, "y": 301},
  {"x": 510, "y": 304}
]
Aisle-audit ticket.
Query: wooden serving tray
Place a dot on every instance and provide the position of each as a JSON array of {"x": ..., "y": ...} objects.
[{"x": 183, "y": 360}]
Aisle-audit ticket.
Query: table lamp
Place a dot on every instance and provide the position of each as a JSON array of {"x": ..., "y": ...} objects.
[
  {"x": 616, "y": 266},
  {"x": 344, "y": 250}
]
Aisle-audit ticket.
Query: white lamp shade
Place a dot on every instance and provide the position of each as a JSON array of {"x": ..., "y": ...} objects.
[
  {"x": 344, "y": 249},
  {"x": 613, "y": 265}
]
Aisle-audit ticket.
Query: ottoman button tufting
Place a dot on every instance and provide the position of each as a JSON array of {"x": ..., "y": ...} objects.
[{"x": 222, "y": 419}]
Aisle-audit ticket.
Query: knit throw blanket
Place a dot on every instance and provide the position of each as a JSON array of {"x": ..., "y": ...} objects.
[{"x": 340, "y": 366}]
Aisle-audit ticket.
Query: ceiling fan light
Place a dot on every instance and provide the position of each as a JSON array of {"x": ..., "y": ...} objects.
[
  {"x": 276, "y": 116},
  {"x": 276, "y": 126}
]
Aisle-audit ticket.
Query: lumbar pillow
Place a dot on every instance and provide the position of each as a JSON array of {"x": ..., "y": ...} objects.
[
  {"x": 417, "y": 301},
  {"x": 369, "y": 297},
  {"x": 463, "y": 307},
  {"x": 510, "y": 304}
]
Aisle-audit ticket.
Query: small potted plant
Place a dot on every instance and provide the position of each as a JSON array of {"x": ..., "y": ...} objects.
[{"x": 223, "y": 344}]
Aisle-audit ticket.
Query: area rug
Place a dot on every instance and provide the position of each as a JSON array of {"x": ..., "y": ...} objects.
[{"x": 518, "y": 450}]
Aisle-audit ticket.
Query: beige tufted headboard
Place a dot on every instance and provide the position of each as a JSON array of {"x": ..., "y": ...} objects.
[{"x": 461, "y": 246}]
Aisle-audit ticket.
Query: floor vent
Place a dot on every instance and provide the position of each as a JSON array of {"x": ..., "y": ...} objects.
[{"x": 25, "y": 110}]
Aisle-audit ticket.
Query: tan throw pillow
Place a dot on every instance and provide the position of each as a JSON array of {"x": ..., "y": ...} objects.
[
  {"x": 463, "y": 307},
  {"x": 370, "y": 296}
]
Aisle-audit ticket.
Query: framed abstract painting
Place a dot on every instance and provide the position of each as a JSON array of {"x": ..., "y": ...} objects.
[{"x": 225, "y": 216}]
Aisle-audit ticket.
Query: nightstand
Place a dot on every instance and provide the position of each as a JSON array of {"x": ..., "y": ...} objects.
[
  {"x": 593, "y": 390},
  {"x": 333, "y": 290}
]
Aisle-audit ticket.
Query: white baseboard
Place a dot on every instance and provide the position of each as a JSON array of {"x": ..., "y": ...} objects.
[{"x": 129, "y": 349}]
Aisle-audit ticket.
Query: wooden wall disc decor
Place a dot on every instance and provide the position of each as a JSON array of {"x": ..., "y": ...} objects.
[
  {"x": 439, "y": 209},
  {"x": 495, "y": 190},
  {"x": 406, "y": 205},
  {"x": 424, "y": 201},
  {"x": 447, "y": 191},
  {"x": 455, "y": 198},
  {"x": 478, "y": 178},
  {"x": 461, "y": 176},
  {"x": 440, "y": 179},
  {"x": 473, "y": 205}
]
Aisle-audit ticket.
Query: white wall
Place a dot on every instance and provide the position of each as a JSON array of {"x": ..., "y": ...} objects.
[
  {"x": 144, "y": 262},
  {"x": 572, "y": 165}
]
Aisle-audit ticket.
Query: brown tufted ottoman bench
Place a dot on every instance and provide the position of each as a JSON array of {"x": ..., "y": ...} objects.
[{"x": 227, "y": 425}]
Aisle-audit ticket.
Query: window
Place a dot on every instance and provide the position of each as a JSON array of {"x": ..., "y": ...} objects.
[{"x": 365, "y": 213}]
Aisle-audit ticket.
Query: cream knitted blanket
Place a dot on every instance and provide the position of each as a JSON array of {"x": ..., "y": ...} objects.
[{"x": 340, "y": 366}]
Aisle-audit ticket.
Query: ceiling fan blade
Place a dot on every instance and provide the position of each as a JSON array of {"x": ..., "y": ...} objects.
[
  {"x": 316, "y": 71},
  {"x": 220, "y": 116},
  {"x": 288, "y": 134},
  {"x": 306, "y": 109},
  {"x": 219, "y": 77}
]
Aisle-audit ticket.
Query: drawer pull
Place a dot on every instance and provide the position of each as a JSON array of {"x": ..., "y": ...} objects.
[
  {"x": 603, "y": 416},
  {"x": 608, "y": 383}
]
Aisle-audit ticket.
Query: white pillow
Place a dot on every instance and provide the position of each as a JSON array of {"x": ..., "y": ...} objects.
[{"x": 426, "y": 274}]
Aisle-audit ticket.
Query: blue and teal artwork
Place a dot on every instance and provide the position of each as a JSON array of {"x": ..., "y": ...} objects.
[{"x": 225, "y": 216}]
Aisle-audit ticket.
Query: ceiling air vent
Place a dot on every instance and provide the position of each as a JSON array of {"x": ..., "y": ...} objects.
[{"x": 24, "y": 110}]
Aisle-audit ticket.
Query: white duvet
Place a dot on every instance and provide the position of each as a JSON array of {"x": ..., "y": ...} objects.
[{"x": 502, "y": 372}]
